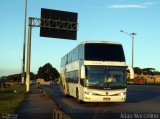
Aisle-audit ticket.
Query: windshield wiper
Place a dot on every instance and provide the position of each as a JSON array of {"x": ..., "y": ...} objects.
[
  {"x": 95, "y": 86},
  {"x": 115, "y": 87}
]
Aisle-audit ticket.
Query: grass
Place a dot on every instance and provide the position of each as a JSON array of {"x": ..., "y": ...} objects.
[{"x": 10, "y": 100}]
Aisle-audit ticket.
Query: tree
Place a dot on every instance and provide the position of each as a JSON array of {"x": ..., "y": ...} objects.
[
  {"x": 156, "y": 73},
  {"x": 137, "y": 70},
  {"x": 17, "y": 77},
  {"x": 47, "y": 72},
  {"x": 148, "y": 71}
]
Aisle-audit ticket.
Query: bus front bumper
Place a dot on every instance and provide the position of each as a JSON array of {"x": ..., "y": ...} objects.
[{"x": 93, "y": 98}]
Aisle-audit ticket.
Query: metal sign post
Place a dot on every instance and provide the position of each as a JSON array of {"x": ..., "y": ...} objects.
[{"x": 28, "y": 55}]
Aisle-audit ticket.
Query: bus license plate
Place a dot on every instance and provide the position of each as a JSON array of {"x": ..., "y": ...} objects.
[{"x": 106, "y": 99}]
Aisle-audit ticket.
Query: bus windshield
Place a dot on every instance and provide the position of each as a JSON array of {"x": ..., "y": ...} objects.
[{"x": 106, "y": 77}]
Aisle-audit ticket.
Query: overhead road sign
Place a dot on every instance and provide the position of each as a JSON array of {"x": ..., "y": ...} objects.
[{"x": 58, "y": 24}]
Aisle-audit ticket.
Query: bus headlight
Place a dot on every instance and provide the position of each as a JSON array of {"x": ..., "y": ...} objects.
[
  {"x": 90, "y": 93},
  {"x": 124, "y": 93}
]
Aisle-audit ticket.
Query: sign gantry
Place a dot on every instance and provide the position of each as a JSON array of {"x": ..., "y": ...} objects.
[{"x": 53, "y": 24}]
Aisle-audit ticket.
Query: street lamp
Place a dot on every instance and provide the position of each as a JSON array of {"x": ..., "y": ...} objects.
[
  {"x": 24, "y": 44},
  {"x": 132, "y": 36}
]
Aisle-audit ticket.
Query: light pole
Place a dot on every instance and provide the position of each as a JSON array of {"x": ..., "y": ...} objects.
[
  {"x": 24, "y": 44},
  {"x": 132, "y": 36}
]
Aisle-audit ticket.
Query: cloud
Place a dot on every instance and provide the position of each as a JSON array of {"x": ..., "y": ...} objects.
[
  {"x": 126, "y": 6},
  {"x": 140, "y": 5}
]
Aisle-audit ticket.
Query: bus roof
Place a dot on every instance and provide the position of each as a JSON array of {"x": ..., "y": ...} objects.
[
  {"x": 107, "y": 42},
  {"x": 85, "y": 42}
]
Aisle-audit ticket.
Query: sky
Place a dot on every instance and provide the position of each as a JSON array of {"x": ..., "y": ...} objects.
[{"x": 99, "y": 20}]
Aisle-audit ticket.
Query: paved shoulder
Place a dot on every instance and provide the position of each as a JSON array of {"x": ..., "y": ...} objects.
[{"x": 36, "y": 105}]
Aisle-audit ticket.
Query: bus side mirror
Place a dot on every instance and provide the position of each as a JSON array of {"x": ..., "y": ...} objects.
[
  {"x": 131, "y": 72},
  {"x": 83, "y": 72}
]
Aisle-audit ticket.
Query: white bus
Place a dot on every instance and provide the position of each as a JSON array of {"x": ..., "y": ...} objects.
[{"x": 95, "y": 72}]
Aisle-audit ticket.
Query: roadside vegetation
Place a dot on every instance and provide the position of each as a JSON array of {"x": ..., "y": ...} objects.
[
  {"x": 148, "y": 76},
  {"x": 12, "y": 92},
  {"x": 11, "y": 98}
]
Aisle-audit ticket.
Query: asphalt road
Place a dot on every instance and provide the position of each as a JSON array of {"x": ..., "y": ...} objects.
[{"x": 142, "y": 102}]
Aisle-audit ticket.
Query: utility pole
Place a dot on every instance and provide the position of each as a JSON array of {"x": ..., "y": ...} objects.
[{"x": 24, "y": 44}]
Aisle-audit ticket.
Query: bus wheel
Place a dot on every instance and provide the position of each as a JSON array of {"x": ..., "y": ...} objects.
[{"x": 77, "y": 96}]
